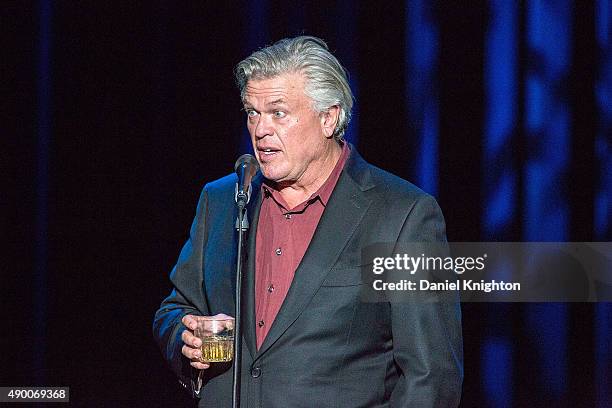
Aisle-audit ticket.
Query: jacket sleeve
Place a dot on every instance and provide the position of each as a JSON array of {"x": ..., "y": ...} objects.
[
  {"x": 427, "y": 339},
  {"x": 187, "y": 297}
]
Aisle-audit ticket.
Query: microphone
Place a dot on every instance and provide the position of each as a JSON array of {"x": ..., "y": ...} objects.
[{"x": 246, "y": 166}]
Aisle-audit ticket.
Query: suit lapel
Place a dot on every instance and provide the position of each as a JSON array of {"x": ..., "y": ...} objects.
[{"x": 345, "y": 209}]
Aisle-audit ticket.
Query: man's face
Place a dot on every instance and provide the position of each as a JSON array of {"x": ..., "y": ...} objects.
[{"x": 288, "y": 136}]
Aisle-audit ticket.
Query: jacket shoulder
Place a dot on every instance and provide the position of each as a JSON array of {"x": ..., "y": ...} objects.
[
  {"x": 222, "y": 189},
  {"x": 224, "y": 184},
  {"x": 396, "y": 188}
]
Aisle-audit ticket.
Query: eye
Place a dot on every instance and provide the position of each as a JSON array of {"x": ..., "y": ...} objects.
[
  {"x": 251, "y": 113},
  {"x": 279, "y": 114}
]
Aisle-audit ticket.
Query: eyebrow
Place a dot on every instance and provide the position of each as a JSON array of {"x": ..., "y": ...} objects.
[{"x": 279, "y": 101}]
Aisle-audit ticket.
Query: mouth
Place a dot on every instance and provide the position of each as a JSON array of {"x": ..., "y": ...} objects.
[{"x": 267, "y": 152}]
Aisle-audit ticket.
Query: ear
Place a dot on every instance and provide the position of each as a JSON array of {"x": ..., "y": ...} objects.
[{"x": 329, "y": 120}]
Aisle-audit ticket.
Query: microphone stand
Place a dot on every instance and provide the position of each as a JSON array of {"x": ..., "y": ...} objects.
[{"x": 242, "y": 225}]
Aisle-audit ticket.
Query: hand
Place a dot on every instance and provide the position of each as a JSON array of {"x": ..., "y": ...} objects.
[{"x": 191, "y": 348}]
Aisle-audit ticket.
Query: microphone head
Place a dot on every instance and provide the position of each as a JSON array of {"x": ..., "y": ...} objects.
[
  {"x": 246, "y": 166},
  {"x": 247, "y": 160}
]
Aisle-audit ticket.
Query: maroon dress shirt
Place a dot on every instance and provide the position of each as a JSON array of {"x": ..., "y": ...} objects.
[{"x": 283, "y": 235}]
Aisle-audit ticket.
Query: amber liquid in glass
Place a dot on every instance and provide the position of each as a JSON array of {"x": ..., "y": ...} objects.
[{"x": 217, "y": 349}]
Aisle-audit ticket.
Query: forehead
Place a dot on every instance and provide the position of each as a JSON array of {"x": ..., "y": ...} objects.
[{"x": 286, "y": 87}]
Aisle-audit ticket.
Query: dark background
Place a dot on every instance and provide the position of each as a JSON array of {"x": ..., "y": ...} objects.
[{"x": 117, "y": 113}]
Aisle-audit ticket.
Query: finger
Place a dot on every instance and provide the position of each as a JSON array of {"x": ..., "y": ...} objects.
[
  {"x": 191, "y": 353},
  {"x": 190, "y": 340},
  {"x": 194, "y": 355},
  {"x": 200, "y": 366},
  {"x": 190, "y": 322}
]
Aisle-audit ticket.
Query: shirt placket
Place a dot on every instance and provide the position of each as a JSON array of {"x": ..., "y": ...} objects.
[{"x": 275, "y": 282}]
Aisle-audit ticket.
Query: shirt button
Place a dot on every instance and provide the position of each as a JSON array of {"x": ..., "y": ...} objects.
[
  {"x": 271, "y": 288},
  {"x": 255, "y": 372},
  {"x": 279, "y": 251},
  {"x": 260, "y": 323},
  {"x": 288, "y": 216}
]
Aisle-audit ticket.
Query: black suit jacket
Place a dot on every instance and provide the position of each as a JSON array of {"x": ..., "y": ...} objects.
[{"x": 326, "y": 348}]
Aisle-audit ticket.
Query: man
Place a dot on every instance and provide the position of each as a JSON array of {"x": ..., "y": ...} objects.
[{"x": 309, "y": 341}]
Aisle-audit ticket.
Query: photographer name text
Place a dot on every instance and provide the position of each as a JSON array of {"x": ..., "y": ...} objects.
[{"x": 458, "y": 285}]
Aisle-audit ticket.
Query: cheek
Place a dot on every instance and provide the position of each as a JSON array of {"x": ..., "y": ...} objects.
[
  {"x": 294, "y": 131},
  {"x": 286, "y": 137},
  {"x": 250, "y": 128}
]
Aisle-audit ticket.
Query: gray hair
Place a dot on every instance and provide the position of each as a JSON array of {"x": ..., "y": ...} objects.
[{"x": 326, "y": 79}]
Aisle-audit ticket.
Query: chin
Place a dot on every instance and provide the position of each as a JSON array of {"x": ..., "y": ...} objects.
[
  {"x": 272, "y": 177},
  {"x": 273, "y": 174}
]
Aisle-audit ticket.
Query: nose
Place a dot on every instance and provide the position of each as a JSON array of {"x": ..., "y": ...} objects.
[{"x": 263, "y": 127}]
